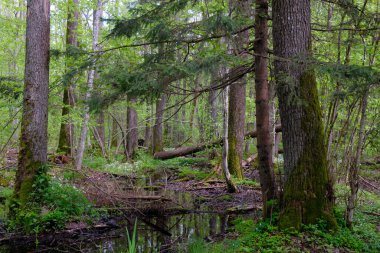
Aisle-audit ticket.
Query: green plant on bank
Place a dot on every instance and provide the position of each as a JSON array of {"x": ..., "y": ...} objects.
[
  {"x": 143, "y": 162},
  {"x": 132, "y": 247},
  {"x": 265, "y": 236},
  {"x": 52, "y": 205}
]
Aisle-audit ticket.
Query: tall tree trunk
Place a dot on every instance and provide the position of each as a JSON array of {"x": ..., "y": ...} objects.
[
  {"x": 354, "y": 166},
  {"x": 158, "y": 139},
  {"x": 90, "y": 85},
  {"x": 33, "y": 141},
  {"x": 212, "y": 101},
  {"x": 236, "y": 113},
  {"x": 114, "y": 133},
  {"x": 226, "y": 172},
  {"x": 308, "y": 193},
  {"x": 263, "y": 108},
  {"x": 148, "y": 127},
  {"x": 100, "y": 130},
  {"x": 66, "y": 134},
  {"x": 132, "y": 130}
]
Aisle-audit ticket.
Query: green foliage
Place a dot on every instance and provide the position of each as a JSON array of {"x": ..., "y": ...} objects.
[
  {"x": 55, "y": 205},
  {"x": 132, "y": 246}
]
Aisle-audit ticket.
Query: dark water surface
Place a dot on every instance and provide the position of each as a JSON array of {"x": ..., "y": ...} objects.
[{"x": 155, "y": 232}]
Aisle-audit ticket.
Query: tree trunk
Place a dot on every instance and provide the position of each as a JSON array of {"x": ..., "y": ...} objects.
[
  {"x": 236, "y": 113},
  {"x": 132, "y": 130},
  {"x": 308, "y": 194},
  {"x": 263, "y": 108},
  {"x": 148, "y": 127},
  {"x": 354, "y": 166},
  {"x": 226, "y": 172},
  {"x": 100, "y": 130},
  {"x": 212, "y": 101},
  {"x": 66, "y": 134},
  {"x": 90, "y": 84},
  {"x": 158, "y": 139},
  {"x": 34, "y": 123},
  {"x": 114, "y": 133}
]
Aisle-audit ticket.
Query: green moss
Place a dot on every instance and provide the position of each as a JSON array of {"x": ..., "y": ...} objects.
[
  {"x": 308, "y": 192},
  {"x": 234, "y": 160}
]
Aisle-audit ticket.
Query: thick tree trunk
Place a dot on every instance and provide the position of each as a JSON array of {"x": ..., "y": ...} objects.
[
  {"x": 236, "y": 113},
  {"x": 90, "y": 86},
  {"x": 66, "y": 134},
  {"x": 33, "y": 141},
  {"x": 182, "y": 151},
  {"x": 307, "y": 190},
  {"x": 226, "y": 172},
  {"x": 132, "y": 130},
  {"x": 263, "y": 108},
  {"x": 158, "y": 139}
]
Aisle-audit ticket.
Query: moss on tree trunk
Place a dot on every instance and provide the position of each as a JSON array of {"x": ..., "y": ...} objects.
[{"x": 308, "y": 195}]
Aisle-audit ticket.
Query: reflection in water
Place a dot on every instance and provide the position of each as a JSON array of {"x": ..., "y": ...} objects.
[
  {"x": 158, "y": 233},
  {"x": 182, "y": 228}
]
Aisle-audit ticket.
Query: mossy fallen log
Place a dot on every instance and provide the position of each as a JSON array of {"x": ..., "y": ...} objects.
[{"x": 182, "y": 151}]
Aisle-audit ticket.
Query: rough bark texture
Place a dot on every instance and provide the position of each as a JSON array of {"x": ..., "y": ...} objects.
[
  {"x": 158, "y": 139},
  {"x": 307, "y": 192},
  {"x": 236, "y": 108},
  {"x": 132, "y": 130},
  {"x": 263, "y": 108},
  {"x": 66, "y": 134},
  {"x": 33, "y": 141}
]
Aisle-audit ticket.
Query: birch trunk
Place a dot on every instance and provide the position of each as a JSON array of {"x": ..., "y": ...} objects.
[{"x": 90, "y": 85}]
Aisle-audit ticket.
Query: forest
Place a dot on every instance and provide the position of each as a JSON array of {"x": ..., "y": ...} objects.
[{"x": 198, "y": 126}]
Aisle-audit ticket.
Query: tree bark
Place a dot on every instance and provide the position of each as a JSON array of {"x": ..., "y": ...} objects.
[
  {"x": 263, "y": 109},
  {"x": 158, "y": 139},
  {"x": 236, "y": 113},
  {"x": 354, "y": 166},
  {"x": 132, "y": 130},
  {"x": 90, "y": 85},
  {"x": 308, "y": 193},
  {"x": 34, "y": 123},
  {"x": 226, "y": 172},
  {"x": 114, "y": 133},
  {"x": 66, "y": 134},
  {"x": 148, "y": 127}
]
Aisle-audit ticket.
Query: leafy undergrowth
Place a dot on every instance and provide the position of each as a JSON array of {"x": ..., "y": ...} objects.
[
  {"x": 56, "y": 205},
  {"x": 144, "y": 163},
  {"x": 264, "y": 236}
]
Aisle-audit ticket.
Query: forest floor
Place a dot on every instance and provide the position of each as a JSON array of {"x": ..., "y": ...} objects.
[{"x": 149, "y": 188}]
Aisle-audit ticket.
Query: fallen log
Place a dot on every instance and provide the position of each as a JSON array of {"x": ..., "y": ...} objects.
[{"x": 182, "y": 151}]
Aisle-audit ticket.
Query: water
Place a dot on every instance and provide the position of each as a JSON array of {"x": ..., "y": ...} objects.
[{"x": 162, "y": 226}]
